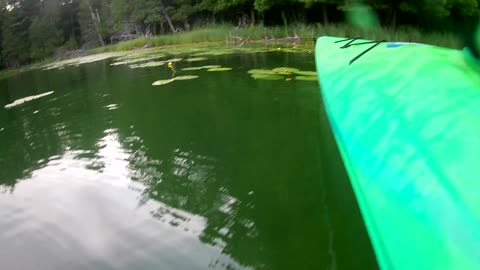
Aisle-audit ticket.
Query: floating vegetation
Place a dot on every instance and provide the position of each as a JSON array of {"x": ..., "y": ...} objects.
[
  {"x": 306, "y": 78},
  {"x": 185, "y": 77},
  {"x": 144, "y": 59},
  {"x": 141, "y": 54},
  {"x": 26, "y": 99},
  {"x": 81, "y": 60},
  {"x": 284, "y": 70},
  {"x": 179, "y": 78},
  {"x": 200, "y": 68},
  {"x": 261, "y": 71},
  {"x": 149, "y": 64},
  {"x": 162, "y": 82},
  {"x": 173, "y": 60},
  {"x": 281, "y": 72},
  {"x": 306, "y": 73},
  {"x": 196, "y": 59},
  {"x": 135, "y": 60},
  {"x": 219, "y": 69},
  {"x": 196, "y": 53},
  {"x": 289, "y": 50},
  {"x": 269, "y": 77}
]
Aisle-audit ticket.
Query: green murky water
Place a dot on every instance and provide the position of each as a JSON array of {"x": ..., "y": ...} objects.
[{"x": 219, "y": 172}]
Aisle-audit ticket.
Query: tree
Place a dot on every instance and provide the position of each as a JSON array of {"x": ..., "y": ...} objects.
[
  {"x": 324, "y": 4},
  {"x": 120, "y": 12},
  {"x": 44, "y": 33},
  {"x": 93, "y": 20},
  {"x": 182, "y": 10},
  {"x": 243, "y": 6},
  {"x": 15, "y": 32},
  {"x": 152, "y": 13},
  {"x": 2, "y": 15},
  {"x": 69, "y": 23}
]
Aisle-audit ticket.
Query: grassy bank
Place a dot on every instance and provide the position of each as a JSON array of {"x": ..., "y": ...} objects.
[
  {"x": 228, "y": 33},
  {"x": 8, "y": 73}
]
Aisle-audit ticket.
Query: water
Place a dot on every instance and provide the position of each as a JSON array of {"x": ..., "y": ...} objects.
[{"x": 221, "y": 172}]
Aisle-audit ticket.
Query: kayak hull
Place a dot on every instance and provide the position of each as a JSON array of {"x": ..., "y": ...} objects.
[{"x": 406, "y": 118}]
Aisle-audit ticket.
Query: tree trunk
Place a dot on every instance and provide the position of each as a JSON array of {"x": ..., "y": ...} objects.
[
  {"x": 325, "y": 14},
  {"x": 394, "y": 20},
  {"x": 252, "y": 16},
  {"x": 96, "y": 22},
  {"x": 169, "y": 21},
  {"x": 100, "y": 37}
]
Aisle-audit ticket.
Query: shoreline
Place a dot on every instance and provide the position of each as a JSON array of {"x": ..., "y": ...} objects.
[{"x": 230, "y": 35}]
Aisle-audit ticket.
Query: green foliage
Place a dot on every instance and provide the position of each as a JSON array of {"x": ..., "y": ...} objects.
[
  {"x": 15, "y": 36},
  {"x": 121, "y": 11},
  {"x": 34, "y": 29},
  {"x": 44, "y": 33}
]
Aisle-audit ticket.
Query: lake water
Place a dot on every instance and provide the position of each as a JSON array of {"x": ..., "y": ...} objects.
[{"x": 219, "y": 172}]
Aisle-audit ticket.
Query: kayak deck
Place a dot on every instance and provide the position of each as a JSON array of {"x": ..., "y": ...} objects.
[{"x": 406, "y": 118}]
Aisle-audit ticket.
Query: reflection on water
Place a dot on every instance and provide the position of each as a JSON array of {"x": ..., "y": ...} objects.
[
  {"x": 110, "y": 173},
  {"x": 88, "y": 208}
]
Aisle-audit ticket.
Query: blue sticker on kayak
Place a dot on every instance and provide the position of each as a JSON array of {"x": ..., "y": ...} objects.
[{"x": 399, "y": 44}]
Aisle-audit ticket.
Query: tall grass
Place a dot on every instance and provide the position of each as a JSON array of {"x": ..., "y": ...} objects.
[
  {"x": 307, "y": 32},
  {"x": 121, "y": 46},
  {"x": 8, "y": 73},
  {"x": 226, "y": 32}
]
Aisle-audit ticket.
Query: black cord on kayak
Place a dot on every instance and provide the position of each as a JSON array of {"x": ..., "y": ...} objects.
[
  {"x": 350, "y": 44},
  {"x": 364, "y": 52}
]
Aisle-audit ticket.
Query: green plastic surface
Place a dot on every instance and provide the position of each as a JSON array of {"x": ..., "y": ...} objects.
[{"x": 406, "y": 118}]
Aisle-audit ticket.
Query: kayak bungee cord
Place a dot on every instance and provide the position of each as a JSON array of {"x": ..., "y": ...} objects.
[{"x": 350, "y": 43}]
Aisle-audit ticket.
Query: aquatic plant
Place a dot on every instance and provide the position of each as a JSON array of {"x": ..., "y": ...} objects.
[
  {"x": 283, "y": 72},
  {"x": 200, "y": 68},
  {"x": 26, "y": 99},
  {"x": 178, "y": 78},
  {"x": 219, "y": 69},
  {"x": 306, "y": 78}
]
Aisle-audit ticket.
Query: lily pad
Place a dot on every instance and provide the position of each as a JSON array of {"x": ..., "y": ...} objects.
[
  {"x": 196, "y": 59},
  {"x": 202, "y": 67},
  {"x": 149, "y": 64},
  {"x": 306, "y": 73},
  {"x": 306, "y": 78},
  {"x": 135, "y": 60},
  {"x": 81, "y": 60},
  {"x": 285, "y": 70},
  {"x": 220, "y": 69},
  {"x": 212, "y": 66},
  {"x": 179, "y": 78},
  {"x": 163, "y": 82},
  {"x": 261, "y": 71},
  {"x": 186, "y": 77},
  {"x": 267, "y": 77},
  {"x": 173, "y": 60},
  {"x": 283, "y": 73}
]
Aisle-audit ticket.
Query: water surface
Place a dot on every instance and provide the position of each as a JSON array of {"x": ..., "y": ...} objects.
[{"x": 220, "y": 172}]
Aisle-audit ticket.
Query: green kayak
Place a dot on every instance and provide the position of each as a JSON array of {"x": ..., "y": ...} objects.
[{"x": 406, "y": 118}]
